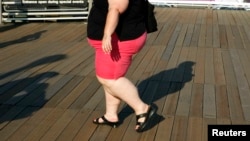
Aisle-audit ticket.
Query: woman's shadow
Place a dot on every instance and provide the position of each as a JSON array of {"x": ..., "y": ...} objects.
[
  {"x": 25, "y": 91},
  {"x": 159, "y": 86}
]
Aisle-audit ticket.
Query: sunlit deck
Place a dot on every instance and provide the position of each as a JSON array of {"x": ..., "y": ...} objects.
[{"x": 195, "y": 69}]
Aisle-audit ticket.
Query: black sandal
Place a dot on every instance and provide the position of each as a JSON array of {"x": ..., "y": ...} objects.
[
  {"x": 148, "y": 116},
  {"x": 106, "y": 122}
]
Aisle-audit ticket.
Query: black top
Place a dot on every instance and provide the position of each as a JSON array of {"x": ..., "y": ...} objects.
[{"x": 131, "y": 23}]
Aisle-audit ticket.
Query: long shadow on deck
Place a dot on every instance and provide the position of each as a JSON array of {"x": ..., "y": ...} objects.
[
  {"x": 160, "y": 85},
  {"x": 27, "y": 38},
  {"x": 18, "y": 94}
]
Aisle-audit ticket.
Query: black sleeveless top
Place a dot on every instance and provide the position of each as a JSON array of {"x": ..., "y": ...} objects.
[{"x": 130, "y": 26}]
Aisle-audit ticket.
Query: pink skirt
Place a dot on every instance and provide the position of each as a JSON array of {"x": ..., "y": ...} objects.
[{"x": 116, "y": 64}]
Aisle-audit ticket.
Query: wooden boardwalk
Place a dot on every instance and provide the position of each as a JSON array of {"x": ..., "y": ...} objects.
[{"x": 195, "y": 69}]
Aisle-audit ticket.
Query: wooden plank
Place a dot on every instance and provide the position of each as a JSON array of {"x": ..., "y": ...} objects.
[
  {"x": 237, "y": 16},
  {"x": 143, "y": 65},
  {"x": 244, "y": 59},
  {"x": 246, "y": 16},
  {"x": 86, "y": 59},
  {"x": 17, "y": 122},
  {"x": 180, "y": 126},
  {"x": 223, "y": 121},
  {"x": 75, "y": 93},
  {"x": 20, "y": 32},
  {"x": 237, "y": 37},
  {"x": 19, "y": 82},
  {"x": 209, "y": 16},
  {"x": 130, "y": 133},
  {"x": 59, "y": 125},
  {"x": 184, "y": 101},
  {"x": 120, "y": 131},
  {"x": 199, "y": 76},
  {"x": 147, "y": 135},
  {"x": 28, "y": 85},
  {"x": 40, "y": 91},
  {"x": 244, "y": 36},
  {"x": 70, "y": 49},
  {"x": 209, "y": 66},
  {"x": 165, "y": 129},
  {"x": 161, "y": 94},
  {"x": 172, "y": 99},
  {"x": 194, "y": 130},
  {"x": 243, "y": 86},
  {"x": 215, "y": 17},
  {"x": 194, "y": 15},
  {"x": 222, "y": 104},
  {"x": 137, "y": 60},
  {"x": 231, "y": 20},
  {"x": 30, "y": 124},
  {"x": 202, "y": 37},
  {"x": 188, "y": 37},
  {"x": 179, "y": 71},
  {"x": 200, "y": 17},
  {"x": 63, "y": 92},
  {"x": 28, "y": 46},
  {"x": 216, "y": 36},
  {"x": 196, "y": 103},
  {"x": 152, "y": 63},
  {"x": 182, "y": 34},
  {"x": 223, "y": 36},
  {"x": 195, "y": 35},
  {"x": 209, "y": 35},
  {"x": 9, "y": 116},
  {"x": 94, "y": 101},
  {"x": 206, "y": 122},
  {"x": 171, "y": 67},
  {"x": 218, "y": 68},
  {"x": 86, "y": 95},
  {"x": 73, "y": 127},
  {"x": 236, "y": 111},
  {"x": 149, "y": 94},
  {"x": 86, "y": 133},
  {"x": 220, "y": 17},
  {"x": 225, "y": 18},
  {"x": 45, "y": 125},
  {"x": 229, "y": 69},
  {"x": 230, "y": 37},
  {"x": 190, "y": 65},
  {"x": 51, "y": 91},
  {"x": 173, "y": 42},
  {"x": 209, "y": 103},
  {"x": 4, "y": 109},
  {"x": 161, "y": 63}
]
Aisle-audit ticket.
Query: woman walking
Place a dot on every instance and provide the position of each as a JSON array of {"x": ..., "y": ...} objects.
[{"x": 116, "y": 30}]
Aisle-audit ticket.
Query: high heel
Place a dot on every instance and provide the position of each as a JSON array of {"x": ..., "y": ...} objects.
[{"x": 106, "y": 122}]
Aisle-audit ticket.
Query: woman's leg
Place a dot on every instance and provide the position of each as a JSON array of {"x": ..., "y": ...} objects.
[
  {"x": 125, "y": 90},
  {"x": 112, "y": 105}
]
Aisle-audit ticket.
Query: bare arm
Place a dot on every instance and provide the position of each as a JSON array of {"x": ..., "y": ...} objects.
[{"x": 116, "y": 7}]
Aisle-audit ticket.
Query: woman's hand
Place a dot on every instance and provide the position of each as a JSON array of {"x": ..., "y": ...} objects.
[
  {"x": 106, "y": 44},
  {"x": 116, "y": 7}
]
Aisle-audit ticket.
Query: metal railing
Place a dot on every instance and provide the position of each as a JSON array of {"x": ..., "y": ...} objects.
[
  {"x": 216, "y": 4},
  {"x": 25, "y": 10}
]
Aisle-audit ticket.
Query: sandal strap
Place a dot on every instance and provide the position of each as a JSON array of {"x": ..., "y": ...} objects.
[
  {"x": 104, "y": 119},
  {"x": 144, "y": 115}
]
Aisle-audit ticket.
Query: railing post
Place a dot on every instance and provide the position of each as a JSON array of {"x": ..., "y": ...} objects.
[{"x": 1, "y": 12}]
